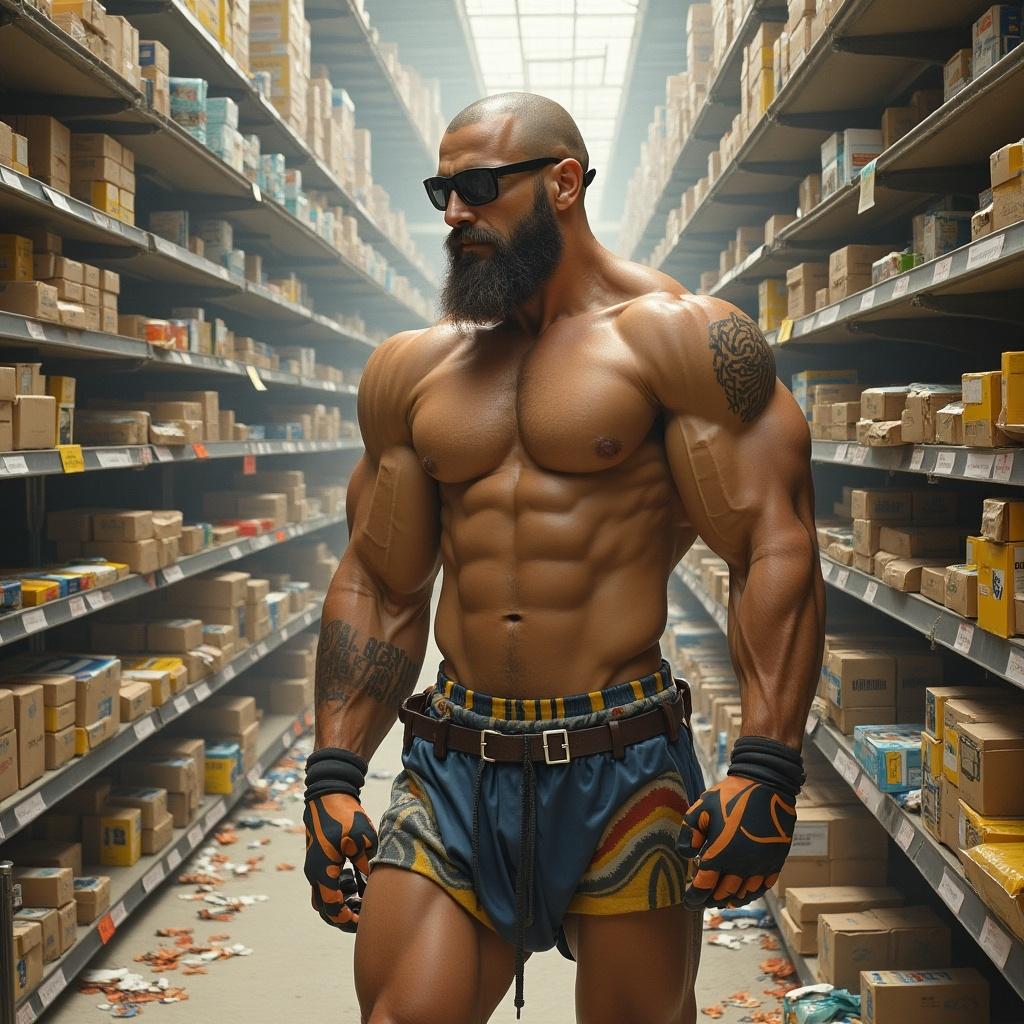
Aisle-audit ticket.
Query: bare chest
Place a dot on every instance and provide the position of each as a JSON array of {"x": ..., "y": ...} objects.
[{"x": 578, "y": 406}]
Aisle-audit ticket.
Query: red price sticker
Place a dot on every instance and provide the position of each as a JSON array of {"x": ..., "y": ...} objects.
[
  {"x": 106, "y": 928},
  {"x": 248, "y": 465},
  {"x": 200, "y": 450},
  {"x": 281, "y": 535}
]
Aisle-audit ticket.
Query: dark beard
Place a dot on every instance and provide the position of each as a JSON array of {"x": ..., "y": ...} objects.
[{"x": 489, "y": 289}]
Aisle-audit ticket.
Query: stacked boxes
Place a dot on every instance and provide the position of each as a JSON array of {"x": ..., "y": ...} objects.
[
  {"x": 843, "y": 156},
  {"x": 1006, "y": 169},
  {"x": 28, "y": 416},
  {"x": 279, "y": 43},
  {"x": 103, "y": 174},
  {"x": 994, "y": 35},
  {"x": 175, "y": 766},
  {"x": 58, "y": 713},
  {"x": 188, "y": 105},
  {"x": 154, "y": 60},
  {"x": 49, "y": 149}
]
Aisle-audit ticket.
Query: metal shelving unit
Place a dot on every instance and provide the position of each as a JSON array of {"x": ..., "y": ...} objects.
[
  {"x": 131, "y": 886},
  {"x": 931, "y": 460}
]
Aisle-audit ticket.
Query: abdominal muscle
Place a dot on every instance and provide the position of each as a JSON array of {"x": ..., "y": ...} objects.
[{"x": 555, "y": 583}]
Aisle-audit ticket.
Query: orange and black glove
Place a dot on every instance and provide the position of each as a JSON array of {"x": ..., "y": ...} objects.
[
  {"x": 337, "y": 829},
  {"x": 740, "y": 831}
]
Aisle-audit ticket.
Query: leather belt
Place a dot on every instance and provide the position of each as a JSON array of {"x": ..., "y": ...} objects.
[{"x": 552, "y": 746}]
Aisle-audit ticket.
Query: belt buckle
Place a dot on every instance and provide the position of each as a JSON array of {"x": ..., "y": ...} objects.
[
  {"x": 483, "y": 744},
  {"x": 563, "y": 738}
]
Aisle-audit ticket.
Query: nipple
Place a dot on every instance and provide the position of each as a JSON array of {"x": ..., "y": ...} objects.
[{"x": 607, "y": 447}]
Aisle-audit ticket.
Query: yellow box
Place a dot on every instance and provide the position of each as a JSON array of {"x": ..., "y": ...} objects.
[
  {"x": 15, "y": 258},
  {"x": 982, "y": 395},
  {"x": 105, "y": 196},
  {"x": 59, "y": 716},
  {"x": 931, "y": 756},
  {"x": 121, "y": 837},
  {"x": 36, "y": 592},
  {"x": 1000, "y": 576},
  {"x": 975, "y": 828},
  {"x": 1013, "y": 386},
  {"x": 220, "y": 774},
  {"x": 1006, "y": 163},
  {"x": 126, "y": 198}
]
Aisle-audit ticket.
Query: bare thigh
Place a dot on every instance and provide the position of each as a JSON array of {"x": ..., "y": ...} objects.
[
  {"x": 421, "y": 959},
  {"x": 638, "y": 967}
]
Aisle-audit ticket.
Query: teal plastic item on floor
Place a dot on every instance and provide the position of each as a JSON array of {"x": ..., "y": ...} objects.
[{"x": 819, "y": 1004}]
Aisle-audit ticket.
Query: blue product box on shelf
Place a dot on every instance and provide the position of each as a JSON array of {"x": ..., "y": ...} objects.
[
  {"x": 10, "y": 593},
  {"x": 890, "y": 754}
]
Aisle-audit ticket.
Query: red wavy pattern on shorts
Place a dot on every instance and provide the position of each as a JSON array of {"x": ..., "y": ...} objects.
[{"x": 663, "y": 796}]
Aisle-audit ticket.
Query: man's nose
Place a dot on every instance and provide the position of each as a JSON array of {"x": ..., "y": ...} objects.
[{"x": 458, "y": 212}]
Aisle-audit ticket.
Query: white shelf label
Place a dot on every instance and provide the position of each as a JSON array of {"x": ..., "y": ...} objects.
[
  {"x": 964, "y": 638},
  {"x": 951, "y": 891},
  {"x": 229, "y": 672},
  {"x": 181, "y": 704},
  {"x": 163, "y": 454},
  {"x": 810, "y": 725},
  {"x": 118, "y": 914},
  {"x": 1015, "y": 667},
  {"x": 195, "y": 836},
  {"x": 841, "y": 452},
  {"x": 902, "y": 286},
  {"x": 1003, "y": 469},
  {"x": 11, "y": 178},
  {"x": 253, "y": 778},
  {"x": 871, "y": 592},
  {"x": 144, "y": 727},
  {"x": 261, "y": 650},
  {"x": 152, "y": 878},
  {"x": 944, "y": 463},
  {"x": 30, "y": 809},
  {"x": 842, "y": 578},
  {"x": 173, "y": 860},
  {"x": 985, "y": 251},
  {"x": 917, "y": 460},
  {"x": 202, "y": 691},
  {"x": 867, "y": 300},
  {"x": 77, "y": 606},
  {"x": 57, "y": 198},
  {"x": 186, "y": 358},
  {"x": 34, "y": 620},
  {"x": 905, "y": 835},
  {"x": 826, "y": 570},
  {"x": 870, "y": 795},
  {"x": 942, "y": 269},
  {"x": 35, "y": 330},
  {"x": 52, "y": 987},
  {"x": 173, "y": 574},
  {"x": 113, "y": 460},
  {"x": 810, "y": 839},
  {"x": 214, "y": 814},
  {"x": 15, "y": 465},
  {"x": 26, "y": 1015},
  {"x": 846, "y": 766},
  {"x": 235, "y": 551},
  {"x": 96, "y": 599},
  {"x": 979, "y": 466},
  {"x": 995, "y": 942},
  {"x": 859, "y": 454},
  {"x": 827, "y": 317}
]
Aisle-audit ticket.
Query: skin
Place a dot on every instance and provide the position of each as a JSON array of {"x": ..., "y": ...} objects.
[{"x": 558, "y": 466}]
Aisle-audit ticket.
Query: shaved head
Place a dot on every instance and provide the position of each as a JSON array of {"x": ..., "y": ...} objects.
[{"x": 542, "y": 127}]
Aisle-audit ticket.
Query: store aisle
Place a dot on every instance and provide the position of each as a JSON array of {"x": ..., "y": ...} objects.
[{"x": 300, "y": 969}]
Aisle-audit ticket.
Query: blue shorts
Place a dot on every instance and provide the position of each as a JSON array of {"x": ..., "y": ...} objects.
[{"x": 602, "y": 833}]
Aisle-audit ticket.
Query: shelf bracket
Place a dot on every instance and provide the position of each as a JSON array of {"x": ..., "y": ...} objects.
[
  {"x": 930, "y": 47},
  {"x": 961, "y": 180},
  {"x": 783, "y": 168},
  {"x": 932, "y": 331},
  {"x": 829, "y": 120},
  {"x": 63, "y": 106},
  {"x": 768, "y": 199},
  {"x": 100, "y": 250},
  {"x": 998, "y": 307},
  {"x": 118, "y": 127}
]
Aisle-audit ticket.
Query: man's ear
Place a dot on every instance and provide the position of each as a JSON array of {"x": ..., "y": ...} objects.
[{"x": 568, "y": 180}]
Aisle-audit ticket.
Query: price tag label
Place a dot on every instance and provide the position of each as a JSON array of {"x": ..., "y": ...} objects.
[
  {"x": 202, "y": 691},
  {"x": 11, "y": 178},
  {"x": 95, "y": 600},
  {"x": 286, "y": 740},
  {"x": 57, "y": 198},
  {"x": 826, "y": 570},
  {"x": 144, "y": 727},
  {"x": 917, "y": 460},
  {"x": 34, "y": 620},
  {"x": 200, "y": 450},
  {"x": 810, "y": 725},
  {"x": 118, "y": 914},
  {"x": 173, "y": 574},
  {"x": 902, "y": 286},
  {"x": 256, "y": 194},
  {"x": 995, "y": 942},
  {"x": 163, "y": 454},
  {"x": 1003, "y": 468},
  {"x": 195, "y": 836},
  {"x": 113, "y": 460},
  {"x": 785, "y": 332},
  {"x": 261, "y": 650},
  {"x": 186, "y": 358},
  {"x": 30, "y": 809},
  {"x": 235, "y": 551},
  {"x": 253, "y": 777},
  {"x": 979, "y": 465},
  {"x": 985, "y": 251},
  {"x": 214, "y": 814},
  {"x": 16, "y": 465},
  {"x": 105, "y": 927},
  {"x": 846, "y": 766},
  {"x": 942, "y": 269},
  {"x": 944, "y": 463},
  {"x": 842, "y": 578},
  {"x": 870, "y": 795},
  {"x": 71, "y": 458},
  {"x": 951, "y": 891},
  {"x": 1015, "y": 667},
  {"x": 860, "y": 454},
  {"x": 964, "y": 638},
  {"x": 905, "y": 835},
  {"x": 26, "y": 1015},
  {"x": 152, "y": 878},
  {"x": 867, "y": 187},
  {"x": 827, "y": 317},
  {"x": 871, "y": 592},
  {"x": 181, "y": 704},
  {"x": 35, "y": 330},
  {"x": 173, "y": 860},
  {"x": 77, "y": 606},
  {"x": 841, "y": 452},
  {"x": 229, "y": 672},
  {"x": 145, "y": 455},
  {"x": 52, "y": 987},
  {"x": 248, "y": 465},
  {"x": 867, "y": 300},
  {"x": 254, "y": 377}
]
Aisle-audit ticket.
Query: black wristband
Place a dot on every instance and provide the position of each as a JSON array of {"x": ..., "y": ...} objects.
[
  {"x": 769, "y": 762},
  {"x": 334, "y": 770}
]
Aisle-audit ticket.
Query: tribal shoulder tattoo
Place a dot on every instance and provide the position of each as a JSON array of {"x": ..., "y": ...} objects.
[
  {"x": 378, "y": 670},
  {"x": 743, "y": 363}
]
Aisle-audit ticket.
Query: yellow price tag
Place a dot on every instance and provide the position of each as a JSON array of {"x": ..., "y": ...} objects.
[
  {"x": 255, "y": 378},
  {"x": 785, "y": 332},
  {"x": 71, "y": 458}
]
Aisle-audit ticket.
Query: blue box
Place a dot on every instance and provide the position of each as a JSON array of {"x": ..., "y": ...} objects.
[
  {"x": 890, "y": 755},
  {"x": 10, "y": 593}
]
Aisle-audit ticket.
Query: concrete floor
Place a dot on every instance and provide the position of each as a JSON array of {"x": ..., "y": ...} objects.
[{"x": 300, "y": 968}]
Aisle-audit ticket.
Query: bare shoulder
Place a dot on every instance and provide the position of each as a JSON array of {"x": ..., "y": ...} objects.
[{"x": 702, "y": 355}]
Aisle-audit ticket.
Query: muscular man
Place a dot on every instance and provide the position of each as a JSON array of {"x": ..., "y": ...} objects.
[{"x": 556, "y": 442}]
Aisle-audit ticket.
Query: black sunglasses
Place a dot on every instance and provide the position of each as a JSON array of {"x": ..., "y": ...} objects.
[{"x": 479, "y": 185}]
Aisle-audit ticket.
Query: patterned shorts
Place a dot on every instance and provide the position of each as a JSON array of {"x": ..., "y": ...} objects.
[{"x": 604, "y": 832}]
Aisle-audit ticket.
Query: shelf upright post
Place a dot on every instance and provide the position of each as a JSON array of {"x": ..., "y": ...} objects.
[
  {"x": 35, "y": 514},
  {"x": 8, "y": 904}
]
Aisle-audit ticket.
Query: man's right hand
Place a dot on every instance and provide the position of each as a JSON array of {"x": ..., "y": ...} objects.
[{"x": 338, "y": 829}]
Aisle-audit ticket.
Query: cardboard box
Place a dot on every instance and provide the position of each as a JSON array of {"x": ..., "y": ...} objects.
[
  {"x": 43, "y": 886},
  {"x": 802, "y": 281},
  {"x": 34, "y": 422},
  {"x": 933, "y": 583},
  {"x": 957, "y": 995},
  {"x": 113, "y": 838},
  {"x": 46, "y": 853},
  {"x": 962, "y": 590},
  {"x": 802, "y": 939},
  {"x": 1000, "y": 577},
  {"x": 881, "y": 504},
  {"x": 832, "y": 832},
  {"x": 151, "y": 802},
  {"x": 931, "y": 756},
  {"x": 991, "y": 757},
  {"x": 29, "y": 725},
  {"x": 891, "y": 938},
  {"x": 174, "y": 635},
  {"x": 141, "y": 556},
  {"x": 92, "y": 898},
  {"x": 975, "y": 829},
  {"x": 123, "y": 525},
  {"x": 921, "y": 541},
  {"x": 904, "y": 574},
  {"x": 860, "y": 678},
  {"x": 885, "y": 403},
  {"x": 57, "y": 718},
  {"x": 48, "y": 919},
  {"x": 156, "y": 838},
  {"x": 136, "y": 698},
  {"x": 1002, "y": 520},
  {"x": 59, "y": 747},
  {"x": 28, "y": 957},
  {"x": 806, "y": 905},
  {"x": 958, "y": 713},
  {"x": 846, "y": 720}
]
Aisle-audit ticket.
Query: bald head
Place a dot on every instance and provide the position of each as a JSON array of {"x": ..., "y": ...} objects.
[{"x": 541, "y": 127}]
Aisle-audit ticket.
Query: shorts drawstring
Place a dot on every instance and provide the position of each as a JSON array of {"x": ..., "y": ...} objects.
[
  {"x": 525, "y": 869},
  {"x": 478, "y": 780}
]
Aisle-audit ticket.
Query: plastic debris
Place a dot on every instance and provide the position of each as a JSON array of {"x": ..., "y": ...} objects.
[
  {"x": 285, "y": 867},
  {"x": 725, "y": 940},
  {"x": 744, "y": 1000},
  {"x": 712, "y": 1011},
  {"x": 820, "y": 1004}
]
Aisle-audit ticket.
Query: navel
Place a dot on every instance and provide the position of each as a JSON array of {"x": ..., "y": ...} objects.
[
  {"x": 607, "y": 447},
  {"x": 428, "y": 464}
]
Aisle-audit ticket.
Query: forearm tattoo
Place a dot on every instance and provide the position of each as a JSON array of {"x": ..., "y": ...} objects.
[
  {"x": 744, "y": 365},
  {"x": 380, "y": 670}
]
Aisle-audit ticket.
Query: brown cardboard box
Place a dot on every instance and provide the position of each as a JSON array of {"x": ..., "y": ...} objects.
[
  {"x": 934, "y": 508},
  {"x": 122, "y": 525},
  {"x": 88, "y": 798},
  {"x": 151, "y": 802},
  {"x": 802, "y": 939},
  {"x": 92, "y": 897},
  {"x": 833, "y": 832},
  {"x": 933, "y": 583},
  {"x": 881, "y": 504},
  {"x": 67, "y": 919},
  {"x": 174, "y": 634},
  {"x": 889, "y": 938},
  {"x": 48, "y": 919},
  {"x": 959, "y": 712},
  {"x": 136, "y": 699},
  {"x": 59, "y": 717},
  {"x": 962, "y": 590},
  {"x": 847, "y": 719},
  {"x": 214, "y": 590},
  {"x": 28, "y": 716},
  {"x": 860, "y": 678},
  {"x": 167, "y": 523},
  {"x": 141, "y": 556},
  {"x": 896, "y": 122},
  {"x": 904, "y": 574},
  {"x": 156, "y": 838},
  {"x": 44, "y": 887},
  {"x": 885, "y": 403},
  {"x": 174, "y": 774},
  {"x": 59, "y": 747},
  {"x": 957, "y": 995},
  {"x": 34, "y": 422},
  {"x": 28, "y": 957},
  {"x": 46, "y": 853},
  {"x": 949, "y": 814},
  {"x": 806, "y": 905},
  {"x": 802, "y": 282},
  {"x": 922, "y": 541},
  {"x": 991, "y": 760}
]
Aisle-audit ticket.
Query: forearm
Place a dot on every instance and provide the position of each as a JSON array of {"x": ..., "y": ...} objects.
[
  {"x": 776, "y": 634},
  {"x": 368, "y": 660}
]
